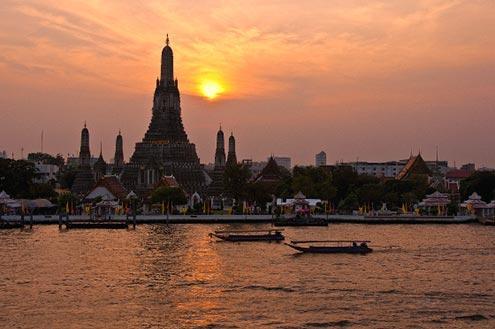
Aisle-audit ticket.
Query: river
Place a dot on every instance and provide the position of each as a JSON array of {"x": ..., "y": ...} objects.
[{"x": 158, "y": 276}]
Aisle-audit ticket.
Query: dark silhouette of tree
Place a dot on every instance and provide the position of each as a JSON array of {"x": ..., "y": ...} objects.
[
  {"x": 168, "y": 194},
  {"x": 481, "y": 182},
  {"x": 235, "y": 181}
]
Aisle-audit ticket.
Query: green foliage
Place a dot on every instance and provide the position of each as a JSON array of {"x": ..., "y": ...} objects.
[
  {"x": 165, "y": 194},
  {"x": 46, "y": 158},
  {"x": 350, "y": 202},
  {"x": 481, "y": 182},
  {"x": 65, "y": 198},
  {"x": 313, "y": 182},
  {"x": 16, "y": 177},
  {"x": 66, "y": 177},
  {"x": 261, "y": 193},
  {"x": 235, "y": 181},
  {"x": 43, "y": 190}
]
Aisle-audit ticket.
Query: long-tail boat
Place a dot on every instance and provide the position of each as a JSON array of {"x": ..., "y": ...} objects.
[
  {"x": 332, "y": 246},
  {"x": 249, "y": 235}
]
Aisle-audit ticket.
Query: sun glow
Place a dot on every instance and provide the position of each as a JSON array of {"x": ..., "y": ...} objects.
[{"x": 211, "y": 89}]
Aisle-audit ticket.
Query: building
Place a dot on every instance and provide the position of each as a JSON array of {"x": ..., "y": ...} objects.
[
  {"x": 271, "y": 173},
  {"x": 108, "y": 187},
  {"x": 414, "y": 166},
  {"x": 216, "y": 186},
  {"x": 283, "y": 162},
  {"x": 321, "y": 159},
  {"x": 231, "y": 157},
  {"x": 118, "y": 159},
  {"x": 3, "y": 155},
  {"x": 45, "y": 172},
  {"x": 73, "y": 161},
  {"x": 84, "y": 180},
  {"x": 391, "y": 169},
  {"x": 165, "y": 148},
  {"x": 453, "y": 179},
  {"x": 100, "y": 167}
]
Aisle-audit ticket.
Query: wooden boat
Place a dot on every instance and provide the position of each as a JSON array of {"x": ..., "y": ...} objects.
[
  {"x": 332, "y": 246},
  {"x": 249, "y": 235},
  {"x": 300, "y": 221}
]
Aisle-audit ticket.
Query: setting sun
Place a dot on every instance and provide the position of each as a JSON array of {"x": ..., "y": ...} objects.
[{"x": 211, "y": 89}]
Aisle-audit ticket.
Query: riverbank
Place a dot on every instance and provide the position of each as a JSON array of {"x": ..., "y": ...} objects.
[{"x": 227, "y": 219}]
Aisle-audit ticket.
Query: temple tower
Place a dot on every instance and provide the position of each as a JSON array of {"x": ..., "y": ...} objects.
[
  {"x": 118, "y": 162},
  {"x": 220, "y": 150},
  {"x": 100, "y": 166},
  {"x": 165, "y": 148},
  {"x": 167, "y": 69},
  {"x": 84, "y": 179},
  {"x": 231, "y": 156},
  {"x": 84, "y": 153}
]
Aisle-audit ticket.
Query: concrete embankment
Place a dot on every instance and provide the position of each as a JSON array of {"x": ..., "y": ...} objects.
[
  {"x": 401, "y": 219},
  {"x": 226, "y": 219}
]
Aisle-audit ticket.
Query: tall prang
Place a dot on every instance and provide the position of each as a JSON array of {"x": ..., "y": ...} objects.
[
  {"x": 216, "y": 187},
  {"x": 118, "y": 159},
  {"x": 165, "y": 148},
  {"x": 220, "y": 150},
  {"x": 231, "y": 157},
  {"x": 84, "y": 179}
]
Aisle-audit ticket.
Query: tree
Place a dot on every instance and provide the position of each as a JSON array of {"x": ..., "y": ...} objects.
[
  {"x": 66, "y": 177},
  {"x": 235, "y": 181},
  {"x": 314, "y": 182},
  {"x": 43, "y": 190},
  {"x": 481, "y": 182},
  {"x": 168, "y": 194},
  {"x": 350, "y": 202},
  {"x": 46, "y": 158},
  {"x": 16, "y": 177}
]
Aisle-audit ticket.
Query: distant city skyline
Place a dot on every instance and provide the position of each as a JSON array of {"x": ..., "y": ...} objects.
[{"x": 367, "y": 80}]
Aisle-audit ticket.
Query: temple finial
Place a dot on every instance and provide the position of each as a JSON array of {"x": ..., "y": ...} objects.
[
  {"x": 101, "y": 148},
  {"x": 167, "y": 41},
  {"x": 84, "y": 123}
]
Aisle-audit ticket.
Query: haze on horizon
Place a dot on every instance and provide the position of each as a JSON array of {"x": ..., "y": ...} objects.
[{"x": 357, "y": 79}]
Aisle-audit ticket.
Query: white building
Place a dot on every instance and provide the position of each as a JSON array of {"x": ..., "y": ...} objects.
[
  {"x": 45, "y": 172},
  {"x": 321, "y": 159},
  {"x": 283, "y": 162},
  {"x": 391, "y": 169}
]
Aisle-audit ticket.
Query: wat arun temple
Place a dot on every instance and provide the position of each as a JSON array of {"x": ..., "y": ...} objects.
[{"x": 165, "y": 148}]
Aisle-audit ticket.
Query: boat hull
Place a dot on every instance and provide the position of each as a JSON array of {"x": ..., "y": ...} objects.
[
  {"x": 250, "y": 238},
  {"x": 332, "y": 250},
  {"x": 300, "y": 222}
]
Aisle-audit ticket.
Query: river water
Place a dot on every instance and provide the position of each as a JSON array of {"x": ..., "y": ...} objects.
[{"x": 158, "y": 276}]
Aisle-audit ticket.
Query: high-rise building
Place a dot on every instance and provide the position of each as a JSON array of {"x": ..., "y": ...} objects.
[
  {"x": 321, "y": 159},
  {"x": 165, "y": 148}
]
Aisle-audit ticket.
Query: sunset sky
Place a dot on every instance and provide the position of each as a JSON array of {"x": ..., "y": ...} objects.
[{"x": 357, "y": 79}]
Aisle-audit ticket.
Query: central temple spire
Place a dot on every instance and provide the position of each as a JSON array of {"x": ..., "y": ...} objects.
[{"x": 167, "y": 70}]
